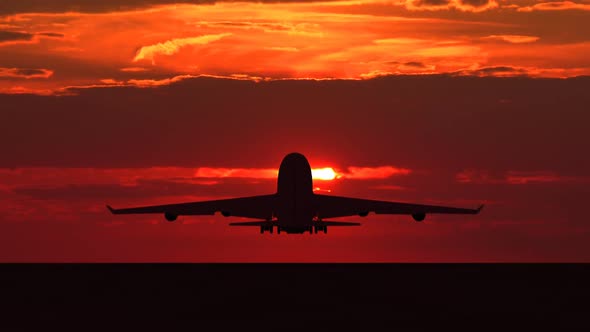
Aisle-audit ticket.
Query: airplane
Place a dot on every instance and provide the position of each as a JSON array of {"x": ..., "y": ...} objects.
[{"x": 294, "y": 208}]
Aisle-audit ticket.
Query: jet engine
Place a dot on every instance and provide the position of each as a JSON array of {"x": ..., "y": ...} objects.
[
  {"x": 419, "y": 216},
  {"x": 170, "y": 216}
]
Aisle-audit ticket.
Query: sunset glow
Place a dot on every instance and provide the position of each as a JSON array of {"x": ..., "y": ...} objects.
[
  {"x": 436, "y": 102},
  {"x": 324, "y": 174},
  {"x": 146, "y": 46}
]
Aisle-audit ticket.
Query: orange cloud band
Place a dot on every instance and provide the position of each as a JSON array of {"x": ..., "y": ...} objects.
[
  {"x": 312, "y": 40},
  {"x": 131, "y": 176}
]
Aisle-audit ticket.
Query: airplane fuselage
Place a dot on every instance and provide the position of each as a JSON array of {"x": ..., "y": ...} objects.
[{"x": 294, "y": 210}]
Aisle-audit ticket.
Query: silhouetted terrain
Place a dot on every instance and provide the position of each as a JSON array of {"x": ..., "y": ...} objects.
[{"x": 289, "y": 297}]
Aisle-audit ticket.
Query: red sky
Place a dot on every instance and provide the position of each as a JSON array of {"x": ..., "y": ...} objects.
[{"x": 131, "y": 102}]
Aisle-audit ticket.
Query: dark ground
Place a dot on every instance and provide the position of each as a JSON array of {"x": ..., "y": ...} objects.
[{"x": 296, "y": 297}]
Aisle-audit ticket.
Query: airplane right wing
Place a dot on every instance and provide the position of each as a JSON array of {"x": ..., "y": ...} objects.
[{"x": 335, "y": 206}]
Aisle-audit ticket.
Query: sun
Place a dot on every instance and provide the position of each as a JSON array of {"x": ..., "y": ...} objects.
[{"x": 325, "y": 174}]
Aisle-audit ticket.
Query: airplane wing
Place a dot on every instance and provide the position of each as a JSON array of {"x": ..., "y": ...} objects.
[
  {"x": 257, "y": 207},
  {"x": 335, "y": 206}
]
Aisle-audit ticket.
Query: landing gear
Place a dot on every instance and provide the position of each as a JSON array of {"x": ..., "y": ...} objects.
[
  {"x": 318, "y": 228},
  {"x": 269, "y": 229}
]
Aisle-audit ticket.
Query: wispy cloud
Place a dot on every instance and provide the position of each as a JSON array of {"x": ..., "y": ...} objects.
[
  {"x": 474, "y": 6},
  {"x": 12, "y": 36},
  {"x": 25, "y": 73},
  {"x": 172, "y": 46},
  {"x": 514, "y": 39},
  {"x": 555, "y": 5},
  {"x": 8, "y": 37},
  {"x": 52, "y": 176},
  {"x": 474, "y": 176},
  {"x": 282, "y": 49},
  {"x": 380, "y": 172},
  {"x": 133, "y": 69}
]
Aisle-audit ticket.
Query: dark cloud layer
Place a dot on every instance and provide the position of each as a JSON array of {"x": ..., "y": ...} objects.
[
  {"x": 92, "y": 6},
  {"x": 7, "y": 36},
  {"x": 495, "y": 71},
  {"x": 30, "y": 72},
  {"x": 437, "y": 3},
  {"x": 24, "y": 73},
  {"x": 475, "y": 3},
  {"x": 414, "y": 121},
  {"x": 52, "y": 34}
]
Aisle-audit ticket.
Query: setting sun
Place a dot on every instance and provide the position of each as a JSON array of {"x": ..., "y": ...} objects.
[{"x": 326, "y": 174}]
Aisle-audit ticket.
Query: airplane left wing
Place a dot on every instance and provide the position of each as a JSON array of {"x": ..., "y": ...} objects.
[
  {"x": 257, "y": 207},
  {"x": 335, "y": 206}
]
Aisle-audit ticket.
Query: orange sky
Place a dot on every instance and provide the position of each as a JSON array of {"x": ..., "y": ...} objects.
[
  {"x": 44, "y": 48},
  {"x": 135, "y": 102}
]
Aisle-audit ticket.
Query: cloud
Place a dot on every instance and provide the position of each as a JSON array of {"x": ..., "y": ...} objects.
[
  {"x": 102, "y": 6},
  {"x": 474, "y": 176},
  {"x": 327, "y": 173},
  {"x": 409, "y": 67},
  {"x": 432, "y": 42},
  {"x": 25, "y": 73},
  {"x": 172, "y": 46},
  {"x": 256, "y": 173},
  {"x": 54, "y": 177},
  {"x": 514, "y": 39},
  {"x": 51, "y": 34},
  {"x": 474, "y": 6},
  {"x": 185, "y": 123},
  {"x": 381, "y": 172},
  {"x": 111, "y": 81},
  {"x": 496, "y": 71},
  {"x": 152, "y": 82},
  {"x": 12, "y": 36},
  {"x": 520, "y": 177},
  {"x": 133, "y": 69},
  {"x": 415, "y": 64},
  {"x": 282, "y": 49},
  {"x": 15, "y": 37},
  {"x": 555, "y": 5}
]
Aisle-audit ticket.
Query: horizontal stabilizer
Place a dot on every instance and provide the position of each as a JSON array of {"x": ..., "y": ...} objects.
[
  {"x": 336, "y": 223},
  {"x": 253, "y": 223}
]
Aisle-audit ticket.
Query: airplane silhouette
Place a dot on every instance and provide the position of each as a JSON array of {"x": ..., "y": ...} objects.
[{"x": 294, "y": 208}]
